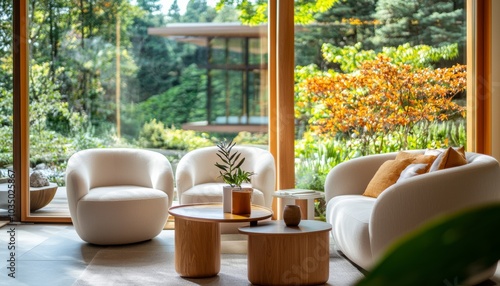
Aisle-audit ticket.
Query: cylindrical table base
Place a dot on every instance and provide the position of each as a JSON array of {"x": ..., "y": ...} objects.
[
  {"x": 197, "y": 248},
  {"x": 288, "y": 259}
]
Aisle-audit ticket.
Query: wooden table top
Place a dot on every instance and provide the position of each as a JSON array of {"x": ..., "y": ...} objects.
[
  {"x": 214, "y": 213},
  {"x": 278, "y": 227}
]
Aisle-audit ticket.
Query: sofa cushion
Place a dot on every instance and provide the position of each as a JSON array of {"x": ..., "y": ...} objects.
[
  {"x": 122, "y": 193},
  {"x": 121, "y": 214},
  {"x": 387, "y": 174},
  {"x": 350, "y": 218}
]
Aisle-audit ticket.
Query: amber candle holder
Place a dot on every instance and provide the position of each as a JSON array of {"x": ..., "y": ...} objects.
[{"x": 242, "y": 201}]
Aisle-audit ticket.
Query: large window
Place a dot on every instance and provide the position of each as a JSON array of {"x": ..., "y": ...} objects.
[
  {"x": 99, "y": 78},
  {"x": 375, "y": 77},
  {"x": 76, "y": 47}
]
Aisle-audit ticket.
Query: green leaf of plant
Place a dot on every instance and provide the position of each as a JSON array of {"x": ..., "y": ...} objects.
[
  {"x": 238, "y": 164},
  {"x": 445, "y": 251}
]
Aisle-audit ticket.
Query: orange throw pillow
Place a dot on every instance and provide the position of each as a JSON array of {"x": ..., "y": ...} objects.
[
  {"x": 387, "y": 174},
  {"x": 406, "y": 155}
]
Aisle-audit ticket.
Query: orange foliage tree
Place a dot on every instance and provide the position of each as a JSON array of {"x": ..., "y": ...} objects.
[{"x": 383, "y": 97}]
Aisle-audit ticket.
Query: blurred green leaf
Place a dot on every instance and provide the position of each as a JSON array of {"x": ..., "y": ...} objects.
[{"x": 445, "y": 251}]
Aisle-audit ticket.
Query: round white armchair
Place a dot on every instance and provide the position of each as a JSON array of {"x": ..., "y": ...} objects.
[
  {"x": 198, "y": 179},
  {"x": 118, "y": 195}
]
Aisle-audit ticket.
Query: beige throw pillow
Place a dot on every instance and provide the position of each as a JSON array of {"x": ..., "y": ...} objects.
[
  {"x": 453, "y": 158},
  {"x": 447, "y": 158}
]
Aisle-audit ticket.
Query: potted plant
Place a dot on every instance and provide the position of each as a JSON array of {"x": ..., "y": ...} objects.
[{"x": 235, "y": 198}]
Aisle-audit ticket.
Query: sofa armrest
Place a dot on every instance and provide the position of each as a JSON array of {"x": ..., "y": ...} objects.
[
  {"x": 406, "y": 205},
  {"x": 352, "y": 177}
]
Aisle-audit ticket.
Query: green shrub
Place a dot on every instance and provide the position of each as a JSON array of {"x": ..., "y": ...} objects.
[
  {"x": 245, "y": 137},
  {"x": 155, "y": 135},
  {"x": 179, "y": 139}
]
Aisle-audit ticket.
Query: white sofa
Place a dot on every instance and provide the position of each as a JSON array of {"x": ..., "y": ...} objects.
[
  {"x": 363, "y": 227},
  {"x": 118, "y": 195}
]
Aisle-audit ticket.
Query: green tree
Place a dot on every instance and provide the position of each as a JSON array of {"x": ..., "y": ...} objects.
[
  {"x": 255, "y": 12},
  {"x": 227, "y": 14},
  {"x": 180, "y": 104},
  {"x": 174, "y": 13},
  {"x": 155, "y": 56},
  {"x": 81, "y": 37},
  {"x": 420, "y": 22},
  {"x": 5, "y": 28},
  {"x": 198, "y": 11},
  {"x": 151, "y": 6},
  {"x": 350, "y": 58},
  {"x": 345, "y": 23},
  {"x": 382, "y": 97}
]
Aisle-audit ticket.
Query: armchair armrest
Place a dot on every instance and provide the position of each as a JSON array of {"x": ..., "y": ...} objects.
[
  {"x": 196, "y": 167},
  {"x": 162, "y": 178},
  {"x": 264, "y": 178},
  {"x": 406, "y": 205},
  {"x": 185, "y": 177},
  {"x": 77, "y": 184}
]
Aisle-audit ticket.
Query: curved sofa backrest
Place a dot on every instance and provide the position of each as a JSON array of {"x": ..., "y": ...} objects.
[
  {"x": 354, "y": 174},
  {"x": 479, "y": 158},
  {"x": 363, "y": 168}
]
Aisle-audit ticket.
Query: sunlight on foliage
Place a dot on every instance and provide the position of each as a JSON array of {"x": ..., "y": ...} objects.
[
  {"x": 255, "y": 12},
  {"x": 382, "y": 97},
  {"x": 350, "y": 58}
]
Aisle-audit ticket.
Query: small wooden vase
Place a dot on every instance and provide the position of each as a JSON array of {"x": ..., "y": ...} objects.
[
  {"x": 291, "y": 215},
  {"x": 242, "y": 201}
]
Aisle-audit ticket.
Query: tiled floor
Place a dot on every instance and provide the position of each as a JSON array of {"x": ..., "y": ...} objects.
[
  {"x": 53, "y": 254},
  {"x": 50, "y": 254}
]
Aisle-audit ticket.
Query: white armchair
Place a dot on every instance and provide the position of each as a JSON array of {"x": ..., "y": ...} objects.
[
  {"x": 118, "y": 195},
  {"x": 198, "y": 181},
  {"x": 364, "y": 227}
]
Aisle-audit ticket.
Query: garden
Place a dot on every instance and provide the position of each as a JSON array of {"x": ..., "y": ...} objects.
[{"x": 370, "y": 77}]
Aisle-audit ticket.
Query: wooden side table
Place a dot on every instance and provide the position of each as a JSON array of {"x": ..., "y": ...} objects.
[
  {"x": 301, "y": 197},
  {"x": 281, "y": 255},
  {"x": 197, "y": 236}
]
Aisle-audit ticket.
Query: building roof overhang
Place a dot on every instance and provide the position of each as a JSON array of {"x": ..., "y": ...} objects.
[{"x": 209, "y": 30}]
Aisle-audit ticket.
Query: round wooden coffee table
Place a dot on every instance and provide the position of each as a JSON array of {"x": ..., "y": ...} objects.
[
  {"x": 197, "y": 236},
  {"x": 282, "y": 255}
]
